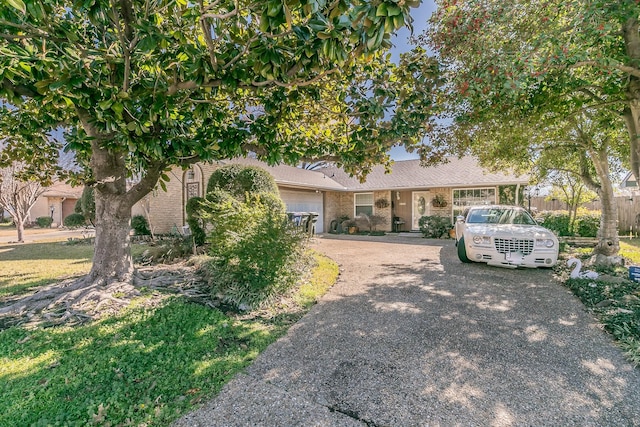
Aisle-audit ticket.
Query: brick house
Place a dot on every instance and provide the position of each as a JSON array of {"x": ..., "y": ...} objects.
[{"x": 408, "y": 192}]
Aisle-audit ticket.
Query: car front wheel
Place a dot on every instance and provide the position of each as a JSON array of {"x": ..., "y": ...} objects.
[{"x": 462, "y": 251}]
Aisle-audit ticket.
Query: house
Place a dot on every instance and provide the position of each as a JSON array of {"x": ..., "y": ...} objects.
[
  {"x": 407, "y": 193},
  {"x": 58, "y": 201}
]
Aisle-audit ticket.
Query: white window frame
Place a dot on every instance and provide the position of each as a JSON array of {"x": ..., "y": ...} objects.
[
  {"x": 458, "y": 209},
  {"x": 356, "y": 205}
]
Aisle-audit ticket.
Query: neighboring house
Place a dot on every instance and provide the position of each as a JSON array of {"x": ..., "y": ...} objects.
[
  {"x": 629, "y": 183},
  {"x": 407, "y": 193},
  {"x": 57, "y": 201}
]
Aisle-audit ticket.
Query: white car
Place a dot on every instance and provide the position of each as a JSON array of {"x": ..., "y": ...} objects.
[{"x": 504, "y": 236}]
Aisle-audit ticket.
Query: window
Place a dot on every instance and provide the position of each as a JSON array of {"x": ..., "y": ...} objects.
[
  {"x": 363, "y": 203},
  {"x": 472, "y": 197}
]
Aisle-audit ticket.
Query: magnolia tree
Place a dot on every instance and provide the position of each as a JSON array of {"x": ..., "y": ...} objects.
[
  {"x": 144, "y": 86},
  {"x": 545, "y": 84}
]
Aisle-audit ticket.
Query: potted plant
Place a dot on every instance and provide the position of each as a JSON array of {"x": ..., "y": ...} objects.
[
  {"x": 350, "y": 226},
  {"x": 439, "y": 201}
]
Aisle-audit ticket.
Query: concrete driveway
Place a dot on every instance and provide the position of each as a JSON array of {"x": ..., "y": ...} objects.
[{"x": 412, "y": 337}]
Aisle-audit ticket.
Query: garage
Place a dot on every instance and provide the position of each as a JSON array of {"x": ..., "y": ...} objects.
[{"x": 304, "y": 201}]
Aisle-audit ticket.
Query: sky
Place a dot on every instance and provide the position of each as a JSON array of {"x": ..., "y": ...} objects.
[{"x": 401, "y": 44}]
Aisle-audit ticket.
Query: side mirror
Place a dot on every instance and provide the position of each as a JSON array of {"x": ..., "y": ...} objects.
[{"x": 460, "y": 218}]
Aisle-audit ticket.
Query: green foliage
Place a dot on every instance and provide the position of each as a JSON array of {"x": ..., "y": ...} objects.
[
  {"x": 167, "y": 83},
  {"x": 587, "y": 223},
  {"x": 507, "y": 194},
  {"x": 133, "y": 368},
  {"x": 44, "y": 221},
  {"x": 78, "y": 206},
  {"x": 88, "y": 204},
  {"x": 257, "y": 254},
  {"x": 434, "y": 226},
  {"x": 556, "y": 221},
  {"x": 196, "y": 225},
  {"x": 140, "y": 225},
  {"x": 74, "y": 220},
  {"x": 239, "y": 179}
]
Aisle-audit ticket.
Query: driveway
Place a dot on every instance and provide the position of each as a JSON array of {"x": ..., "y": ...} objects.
[{"x": 409, "y": 336}]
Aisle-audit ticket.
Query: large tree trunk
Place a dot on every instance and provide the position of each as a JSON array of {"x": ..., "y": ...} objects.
[
  {"x": 632, "y": 112},
  {"x": 112, "y": 256},
  {"x": 608, "y": 240}
]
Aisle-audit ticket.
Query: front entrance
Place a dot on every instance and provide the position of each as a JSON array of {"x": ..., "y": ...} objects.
[{"x": 421, "y": 207}]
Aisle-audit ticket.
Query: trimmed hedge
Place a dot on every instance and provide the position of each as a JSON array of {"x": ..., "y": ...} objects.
[
  {"x": 74, "y": 220},
  {"x": 241, "y": 179},
  {"x": 44, "y": 221},
  {"x": 140, "y": 225},
  {"x": 434, "y": 226}
]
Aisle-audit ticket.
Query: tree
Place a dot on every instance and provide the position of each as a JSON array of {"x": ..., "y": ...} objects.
[
  {"x": 568, "y": 188},
  {"x": 550, "y": 77},
  {"x": 141, "y": 87},
  {"x": 18, "y": 195}
]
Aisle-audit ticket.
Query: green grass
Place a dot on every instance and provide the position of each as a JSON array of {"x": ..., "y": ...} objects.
[
  {"x": 145, "y": 366},
  {"x": 616, "y": 304},
  {"x": 25, "y": 267}
]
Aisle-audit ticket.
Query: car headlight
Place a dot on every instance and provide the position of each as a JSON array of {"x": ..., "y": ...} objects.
[
  {"x": 545, "y": 243},
  {"x": 482, "y": 240}
]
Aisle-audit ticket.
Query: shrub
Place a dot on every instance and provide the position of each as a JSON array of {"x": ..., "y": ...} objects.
[
  {"x": 587, "y": 223},
  {"x": 434, "y": 226},
  {"x": 556, "y": 221},
  {"x": 44, "y": 221},
  {"x": 369, "y": 222},
  {"x": 140, "y": 225},
  {"x": 74, "y": 220},
  {"x": 240, "y": 179},
  {"x": 195, "y": 222},
  {"x": 257, "y": 255},
  {"x": 88, "y": 204}
]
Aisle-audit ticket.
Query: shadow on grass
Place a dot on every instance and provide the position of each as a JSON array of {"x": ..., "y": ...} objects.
[{"x": 146, "y": 366}]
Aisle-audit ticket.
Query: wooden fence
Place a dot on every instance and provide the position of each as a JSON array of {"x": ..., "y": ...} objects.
[{"x": 628, "y": 211}]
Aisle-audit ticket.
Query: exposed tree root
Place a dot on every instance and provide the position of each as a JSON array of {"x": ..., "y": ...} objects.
[{"x": 78, "y": 300}]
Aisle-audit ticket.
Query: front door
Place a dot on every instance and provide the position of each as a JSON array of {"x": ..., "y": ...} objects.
[{"x": 421, "y": 207}]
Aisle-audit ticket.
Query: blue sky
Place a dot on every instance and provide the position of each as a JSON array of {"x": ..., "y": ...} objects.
[{"x": 400, "y": 40}]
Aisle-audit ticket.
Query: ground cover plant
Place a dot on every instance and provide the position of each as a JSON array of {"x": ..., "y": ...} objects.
[
  {"x": 614, "y": 299},
  {"x": 144, "y": 365}
]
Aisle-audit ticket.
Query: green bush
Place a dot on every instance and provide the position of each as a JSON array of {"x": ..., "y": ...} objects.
[
  {"x": 556, "y": 221},
  {"x": 140, "y": 225},
  {"x": 257, "y": 255},
  {"x": 44, "y": 221},
  {"x": 240, "y": 179},
  {"x": 194, "y": 220},
  {"x": 434, "y": 226},
  {"x": 74, "y": 220},
  {"x": 587, "y": 224},
  {"x": 88, "y": 204}
]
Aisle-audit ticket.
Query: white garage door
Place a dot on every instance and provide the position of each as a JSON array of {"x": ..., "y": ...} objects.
[{"x": 304, "y": 201}]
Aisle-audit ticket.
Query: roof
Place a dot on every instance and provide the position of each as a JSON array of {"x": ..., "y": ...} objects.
[
  {"x": 61, "y": 189},
  {"x": 409, "y": 174},
  {"x": 293, "y": 177}
]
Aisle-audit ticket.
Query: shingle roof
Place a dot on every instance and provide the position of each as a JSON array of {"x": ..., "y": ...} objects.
[
  {"x": 290, "y": 176},
  {"x": 61, "y": 189},
  {"x": 408, "y": 174}
]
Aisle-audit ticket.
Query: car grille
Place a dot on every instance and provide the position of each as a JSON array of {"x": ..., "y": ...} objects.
[{"x": 524, "y": 246}]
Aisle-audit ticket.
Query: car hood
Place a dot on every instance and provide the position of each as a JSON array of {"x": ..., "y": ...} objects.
[{"x": 510, "y": 230}]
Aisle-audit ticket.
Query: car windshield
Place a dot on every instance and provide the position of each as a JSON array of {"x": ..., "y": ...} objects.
[{"x": 499, "y": 216}]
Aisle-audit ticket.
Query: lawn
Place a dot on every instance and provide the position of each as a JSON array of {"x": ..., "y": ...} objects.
[{"x": 147, "y": 365}]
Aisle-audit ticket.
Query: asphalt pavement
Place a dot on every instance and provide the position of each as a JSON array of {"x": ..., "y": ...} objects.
[{"x": 409, "y": 336}]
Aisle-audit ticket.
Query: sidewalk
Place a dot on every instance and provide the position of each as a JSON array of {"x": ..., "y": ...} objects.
[{"x": 411, "y": 337}]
